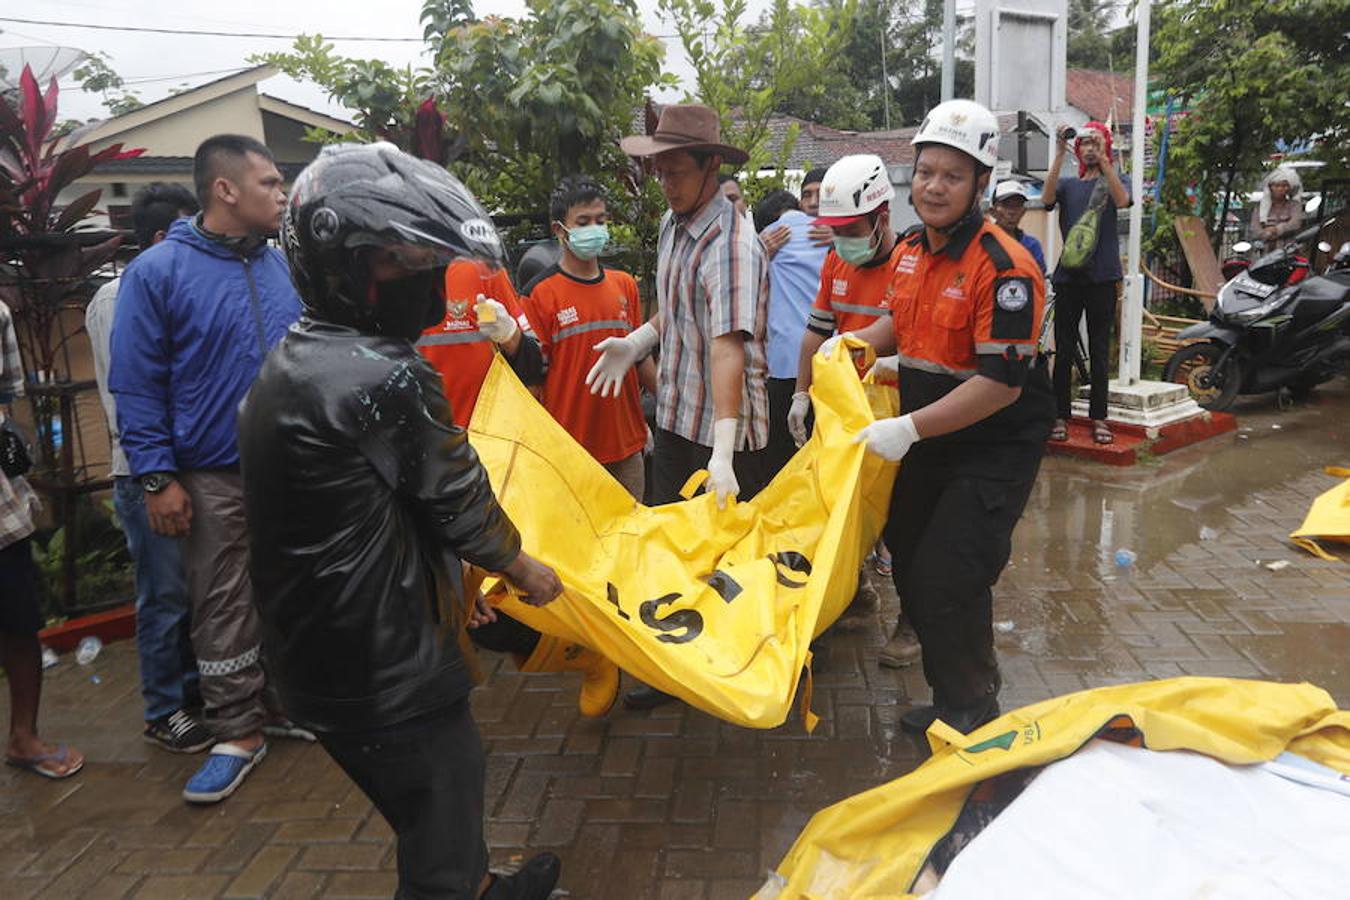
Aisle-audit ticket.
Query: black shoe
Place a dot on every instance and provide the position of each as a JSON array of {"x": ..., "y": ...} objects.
[
  {"x": 645, "y": 697},
  {"x": 964, "y": 719},
  {"x": 534, "y": 880},
  {"x": 179, "y": 732}
]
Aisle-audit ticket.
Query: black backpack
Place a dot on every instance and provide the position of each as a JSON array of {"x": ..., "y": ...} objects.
[{"x": 16, "y": 456}]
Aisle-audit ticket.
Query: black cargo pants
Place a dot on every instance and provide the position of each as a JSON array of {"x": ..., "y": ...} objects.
[{"x": 950, "y": 534}]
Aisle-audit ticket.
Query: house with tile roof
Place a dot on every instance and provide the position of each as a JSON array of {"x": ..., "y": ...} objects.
[{"x": 170, "y": 130}]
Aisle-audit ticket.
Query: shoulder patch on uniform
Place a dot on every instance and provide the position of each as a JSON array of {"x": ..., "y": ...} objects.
[
  {"x": 1014, "y": 311},
  {"x": 1000, "y": 257},
  {"x": 1012, "y": 294}
]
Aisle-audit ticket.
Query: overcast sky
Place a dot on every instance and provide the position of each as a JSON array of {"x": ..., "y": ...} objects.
[{"x": 172, "y": 60}]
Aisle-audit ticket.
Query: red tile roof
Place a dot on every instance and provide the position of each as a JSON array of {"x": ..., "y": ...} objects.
[{"x": 1101, "y": 94}]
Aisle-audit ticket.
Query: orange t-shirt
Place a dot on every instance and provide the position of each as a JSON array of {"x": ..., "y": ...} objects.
[
  {"x": 855, "y": 295},
  {"x": 456, "y": 348},
  {"x": 572, "y": 316}
]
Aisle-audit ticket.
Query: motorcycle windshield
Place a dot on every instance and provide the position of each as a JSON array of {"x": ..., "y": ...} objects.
[
  {"x": 1243, "y": 293},
  {"x": 1272, "y": 269}
]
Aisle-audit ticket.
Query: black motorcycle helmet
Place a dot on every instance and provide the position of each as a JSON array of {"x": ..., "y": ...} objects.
[{"x": 357, "y": 200}]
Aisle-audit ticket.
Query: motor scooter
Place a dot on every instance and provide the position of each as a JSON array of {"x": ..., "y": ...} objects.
[{"x": 1275, "y": 326}]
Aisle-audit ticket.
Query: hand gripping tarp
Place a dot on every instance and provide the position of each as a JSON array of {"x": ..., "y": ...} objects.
[
  {"x": 717, "y": 607},
  {"x": 1328, "y": 519},
  {"x": 877, "y": 843}
]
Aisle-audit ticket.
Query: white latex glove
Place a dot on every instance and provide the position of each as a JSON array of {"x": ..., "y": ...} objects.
[
  {"x": 827, "y": 349},
  {"x": 503, "y": 326},
  {"x": 801, "y": 405},
  {"x": 886, "y": 368},
  {"x": 721, "y": 475},
  {"x": 890, "y": 438},
  {"x": 617, "y": 356}
]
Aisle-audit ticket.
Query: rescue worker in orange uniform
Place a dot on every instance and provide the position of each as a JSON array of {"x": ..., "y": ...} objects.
[
  {"x": 966, "y": 307},
  {"x": 483, "y": 312},
  {"x": 855, "y": 205}
]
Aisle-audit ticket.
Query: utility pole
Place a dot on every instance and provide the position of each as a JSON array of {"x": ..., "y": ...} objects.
[
  {"x": 885, "y": 79},
  {"x": 948, "y": 49},
  {"x": 1132, "y": 321}
]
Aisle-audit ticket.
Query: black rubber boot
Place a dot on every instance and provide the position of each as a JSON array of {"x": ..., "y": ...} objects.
[
  {"x": 534, "y": 881},
  {"x": 644, "y": 697},
  {"x": 964, "y": 719}
]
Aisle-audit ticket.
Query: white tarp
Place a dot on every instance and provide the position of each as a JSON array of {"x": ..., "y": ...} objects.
[{"x": 1114, "y": 821}]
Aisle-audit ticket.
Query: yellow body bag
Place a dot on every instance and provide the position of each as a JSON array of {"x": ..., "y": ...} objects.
[
  {"x": 717, "y": 607},
  {"x": 1328, "y": 519},
  {"x": 874, "y": 844}
]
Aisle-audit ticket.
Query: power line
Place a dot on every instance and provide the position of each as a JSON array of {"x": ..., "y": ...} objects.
[
  {"x": 266, "y": 35},
  {"x": 152, "y": 79},
  {"x": 183, "y": 31}
]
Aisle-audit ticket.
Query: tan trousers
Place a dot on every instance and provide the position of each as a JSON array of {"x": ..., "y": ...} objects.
[
  {"x": 630, "y": 473},
  {"x": 225, "y": 630}
]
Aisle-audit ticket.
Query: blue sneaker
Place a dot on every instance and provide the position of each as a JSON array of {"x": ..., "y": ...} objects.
[{"x": 222, "y": 773}]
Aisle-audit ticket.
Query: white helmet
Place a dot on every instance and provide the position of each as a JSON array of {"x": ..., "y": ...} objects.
[
  {"x": 1010, "y": 188},
  {"x": 964, "y": 125},
  {"x": 854, "y": 186}
]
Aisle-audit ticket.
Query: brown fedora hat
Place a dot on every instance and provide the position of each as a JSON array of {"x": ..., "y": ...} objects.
[{"x": 684, "y": 126}]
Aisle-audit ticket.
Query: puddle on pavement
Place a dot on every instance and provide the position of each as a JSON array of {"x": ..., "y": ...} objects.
[{"x": 1081, "y": 513}]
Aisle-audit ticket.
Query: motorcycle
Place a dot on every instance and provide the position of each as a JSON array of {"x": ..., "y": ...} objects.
[{"x": 1275, "y": 327}]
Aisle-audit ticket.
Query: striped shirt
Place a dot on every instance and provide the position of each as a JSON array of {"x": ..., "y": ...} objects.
[
  {"x": 711, "y": 280},
  {"x": 18, "y": 503}
]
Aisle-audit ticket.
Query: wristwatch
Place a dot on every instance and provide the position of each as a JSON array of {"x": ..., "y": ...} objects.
[{"x": 156, "y": 481}]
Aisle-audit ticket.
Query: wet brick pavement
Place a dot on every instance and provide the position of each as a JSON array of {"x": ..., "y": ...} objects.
[{"x": 676, "y": 805}]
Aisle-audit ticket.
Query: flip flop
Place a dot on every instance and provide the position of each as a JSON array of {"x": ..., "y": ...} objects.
[
  {"x": 1101, "y": 433},
  {"x": 1060, "y": 431},
  {"x": 35, "y": 764}
]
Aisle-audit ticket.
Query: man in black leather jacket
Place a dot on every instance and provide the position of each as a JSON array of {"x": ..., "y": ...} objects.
[{"x": 362, "y": 499}]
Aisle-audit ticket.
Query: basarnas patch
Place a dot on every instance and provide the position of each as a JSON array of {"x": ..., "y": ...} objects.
[{"x": 1012, "y": 295}]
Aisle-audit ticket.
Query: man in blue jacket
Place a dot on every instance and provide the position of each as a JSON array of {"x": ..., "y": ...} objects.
[{"x": 195, "y": 316}]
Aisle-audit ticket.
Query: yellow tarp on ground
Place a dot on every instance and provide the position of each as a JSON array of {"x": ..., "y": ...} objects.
[
  {"x": 1328, "y": 519},
  {"x": 715, "y": 606},
  {"x": 874, "y": 844}
]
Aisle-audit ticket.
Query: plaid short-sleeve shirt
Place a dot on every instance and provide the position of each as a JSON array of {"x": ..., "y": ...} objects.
[
  {"x": 17, "y": 500},
  {"x": 711, "y": 280}
]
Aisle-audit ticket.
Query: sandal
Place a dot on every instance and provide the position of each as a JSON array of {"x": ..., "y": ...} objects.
[
  {"x": 1101, "y": 432},
  {"x": 1060, "y": 431},
  {"x": 41, "y": 764}
]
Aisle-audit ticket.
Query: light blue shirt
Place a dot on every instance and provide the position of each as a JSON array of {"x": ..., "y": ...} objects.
[{"x": 794, "y": 280}]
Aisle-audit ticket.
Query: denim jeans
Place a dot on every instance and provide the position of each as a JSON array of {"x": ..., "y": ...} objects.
[{"x": 168, "y": 667}]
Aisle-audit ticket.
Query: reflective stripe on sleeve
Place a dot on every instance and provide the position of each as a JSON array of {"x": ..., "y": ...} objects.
[
  {"x": 927, "y": 365},
  {"x": 861, "y": 309},
  {"x": 1023, "y": 349},
  {"x": 451, "y": 337},
  {"x": 585, "y": 327}
]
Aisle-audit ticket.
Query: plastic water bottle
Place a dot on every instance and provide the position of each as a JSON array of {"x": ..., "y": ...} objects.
[
  {"x": 49, "y": 657},
  {"x": 1125, "y": 558},
  {"x": 88, "y": 650}
]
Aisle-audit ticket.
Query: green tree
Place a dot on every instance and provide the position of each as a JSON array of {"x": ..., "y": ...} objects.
[
  {"x": 918, "y": 44},
  {"x": 1090, "y": 35},
  {"x": 790, "y": 62},
  {"x": 818, "y": 81},
  {"x": 97, "y": 76},
  {"x": 1255, "y": 76},
  {"x": 526, "y": 100}
]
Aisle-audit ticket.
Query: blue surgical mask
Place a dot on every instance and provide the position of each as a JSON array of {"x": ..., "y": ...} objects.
[
  {"x": 586, "y": 241},
  {"x": 856, "y": 250}
]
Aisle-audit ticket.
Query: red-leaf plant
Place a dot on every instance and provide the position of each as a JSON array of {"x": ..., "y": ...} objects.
[{"x": 44, "y": 262}]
